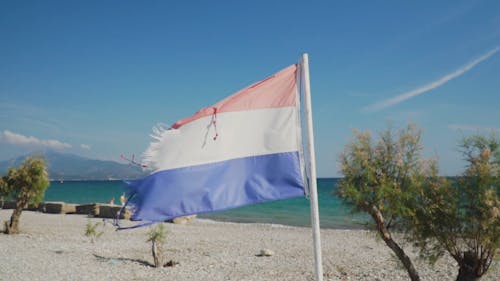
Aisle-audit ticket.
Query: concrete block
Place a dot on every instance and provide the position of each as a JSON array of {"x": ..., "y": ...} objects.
[
  {"x": 88, "y": 209},
  {"x": 111, "y": 211}
]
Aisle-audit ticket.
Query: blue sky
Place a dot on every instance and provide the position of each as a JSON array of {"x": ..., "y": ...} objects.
[{"x": 93, "y": 77}]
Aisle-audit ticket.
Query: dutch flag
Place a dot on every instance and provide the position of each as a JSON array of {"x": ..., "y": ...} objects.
[{"x": 242, "y": 150}]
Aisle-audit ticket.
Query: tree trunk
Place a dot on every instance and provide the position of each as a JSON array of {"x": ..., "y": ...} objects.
[
  {"x": 13, "y": 227},
  {"x": 156, "y": 254},
  {"x": 466, "y": 274},
  {"x": 387, "y": 237},
  {"x": 469, "y": 265}
]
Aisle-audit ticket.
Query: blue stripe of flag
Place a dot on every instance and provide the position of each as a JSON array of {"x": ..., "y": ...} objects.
[{"x": 205, "y": 188}]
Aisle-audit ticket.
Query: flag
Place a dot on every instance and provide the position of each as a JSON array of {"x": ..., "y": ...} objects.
[{"x": 242, "y": 150}]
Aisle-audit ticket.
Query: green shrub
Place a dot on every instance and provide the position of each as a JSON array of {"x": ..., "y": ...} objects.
[
  {"x": 26, "y": 184},
  {"x": 92, "y": 232},
  {"x": 157, "y": 237}
]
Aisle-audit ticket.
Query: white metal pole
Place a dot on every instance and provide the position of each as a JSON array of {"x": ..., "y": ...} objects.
[{"x": 313, "y": 193}]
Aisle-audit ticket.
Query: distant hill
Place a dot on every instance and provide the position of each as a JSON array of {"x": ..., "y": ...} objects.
[{"x": 64, "y": 166}]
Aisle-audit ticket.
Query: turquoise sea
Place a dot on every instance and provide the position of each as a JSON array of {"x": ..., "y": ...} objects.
[{"x": 294, "y": 212}]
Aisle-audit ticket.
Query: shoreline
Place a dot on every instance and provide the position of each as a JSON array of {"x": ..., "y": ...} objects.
[
  {"x": 53, "y": 247},
  {"x": 337, "y": 227},
  {"x": 109, "y": 211}
]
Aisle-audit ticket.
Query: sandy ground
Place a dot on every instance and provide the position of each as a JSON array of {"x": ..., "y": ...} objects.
[{"x": 54, "y": 247}]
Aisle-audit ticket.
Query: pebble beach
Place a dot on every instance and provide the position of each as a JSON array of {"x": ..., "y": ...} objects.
[{"x": 54, "y": 247}]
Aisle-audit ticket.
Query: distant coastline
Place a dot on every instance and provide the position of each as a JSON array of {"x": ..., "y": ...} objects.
[{"x": 70, "y": 167}]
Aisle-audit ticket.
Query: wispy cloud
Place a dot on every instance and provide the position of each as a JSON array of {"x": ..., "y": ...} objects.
[
  {"x": 18, "y": 139},
  {"x": 28, "y": 114},
  {"x": 462, "y": 127},
  {"x": 85, "y": 146},
  {"x": 431, "y": 86}
]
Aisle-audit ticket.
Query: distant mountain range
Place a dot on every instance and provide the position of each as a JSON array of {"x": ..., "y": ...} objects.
[{"x": 63, "y": 166}]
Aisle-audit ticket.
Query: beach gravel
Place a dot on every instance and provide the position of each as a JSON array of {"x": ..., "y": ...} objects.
[{"x": 53, "y": 247}]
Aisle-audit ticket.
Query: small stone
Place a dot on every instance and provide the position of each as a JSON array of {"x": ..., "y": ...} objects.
[
  {"x": 170, "y": 263},
  {"x": 184, "y": 220},
  {"x": 266, "y": 253}
]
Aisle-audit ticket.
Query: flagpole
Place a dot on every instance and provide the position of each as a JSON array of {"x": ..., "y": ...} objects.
[{"x": 313, "y": 193}]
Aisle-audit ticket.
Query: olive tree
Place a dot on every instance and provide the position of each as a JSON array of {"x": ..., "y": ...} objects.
[
  {"x": 26, "y": 184},
  {"x": 381, "y": 178},
  {"x": 463, "y": 216}
]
